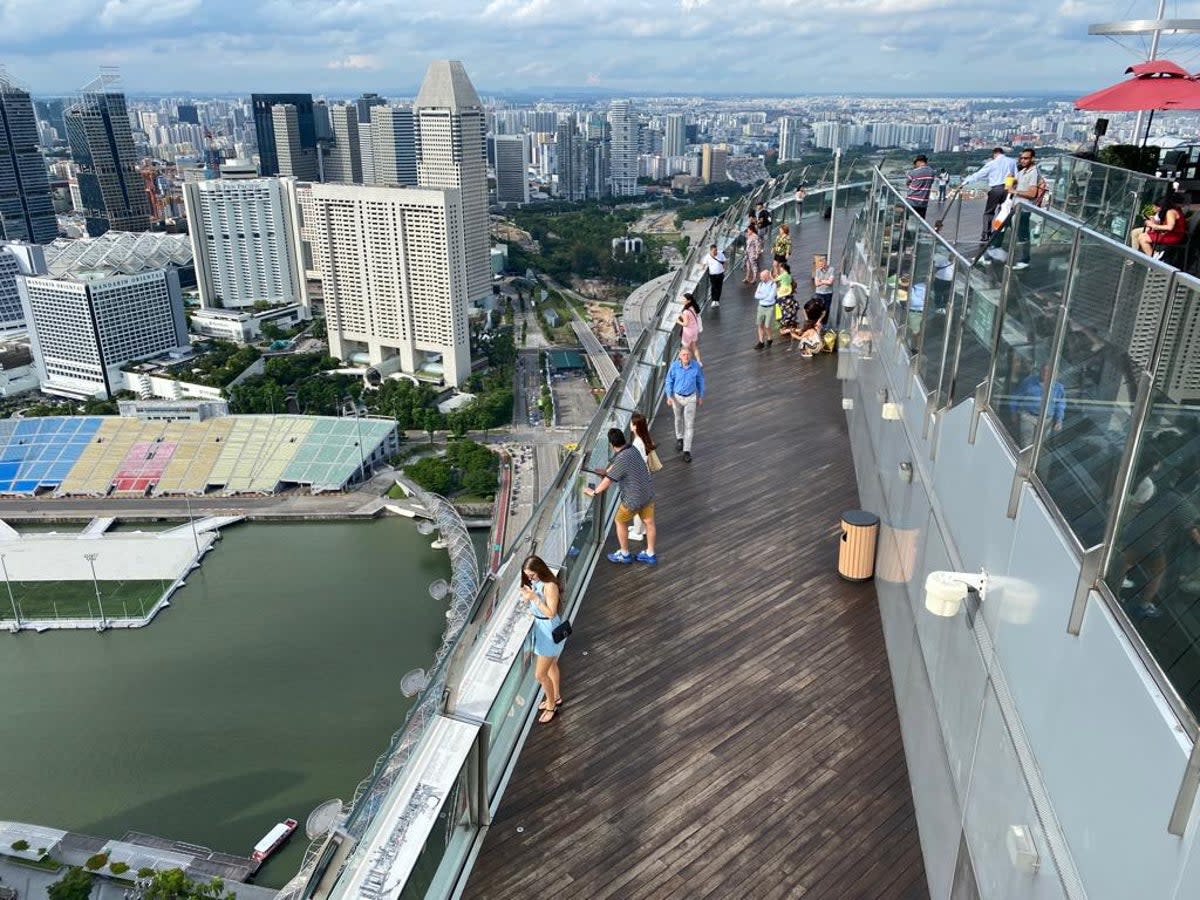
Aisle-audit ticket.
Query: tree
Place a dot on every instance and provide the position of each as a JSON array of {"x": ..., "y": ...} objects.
[
  {"x": 75, "y": 885},
  {"x": 174, "y": 885},
  {"x": 432, "y": 473}
]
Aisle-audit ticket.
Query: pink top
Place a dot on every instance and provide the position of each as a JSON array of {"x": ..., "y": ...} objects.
[{"x": 691, "y": 328}]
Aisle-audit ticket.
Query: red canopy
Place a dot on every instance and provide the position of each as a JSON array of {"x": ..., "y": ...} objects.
[{"x": 1158, "y": 84}]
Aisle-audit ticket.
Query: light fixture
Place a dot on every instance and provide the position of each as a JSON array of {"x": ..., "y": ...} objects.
[
  {"x": 891, "y": 412},
  {"x": 944, "y": 591},
  {"x": 1022, "y": 852},
  {"x": 906, "y": 472},
  {"x": 847, "y": 403}
]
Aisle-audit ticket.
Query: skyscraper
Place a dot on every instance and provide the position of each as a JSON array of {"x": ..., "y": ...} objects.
[
  {"x": 111, "y": 191},
  {"x": 512, "y": 168},
  {"x": 83, "y": 328},
  {"x": 17, "y": 259},
  {"x": 572, "y": 160},
  {"x": 364, "y": 105},
  {"x": 675, "y": 136},
  {"x": 394, "y": 271},
  {"x": 187, "y": 114},
  {"x": 623, "y": 153},
  {"x": 791, "y": 139},
  {"x": 451, "y": 154},
  {"x": 26, "y": 213},
  {"x": 713, "y": 160},
  {"x": 264, "y": 126},
  {"x": 344, "y": 165},
  {"x": 394, "y": 145},
  {"x": 245, "y": 242},
  {"x": 292, "y": 157}
]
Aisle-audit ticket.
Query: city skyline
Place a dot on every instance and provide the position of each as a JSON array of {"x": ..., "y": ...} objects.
[{"x": 906, "y": 46}]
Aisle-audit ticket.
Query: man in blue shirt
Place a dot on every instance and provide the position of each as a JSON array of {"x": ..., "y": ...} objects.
[
  {"x": 685, "y": 394},
  {"x": 994, "y": 173},
  {"x": 1027, "y": 404}
]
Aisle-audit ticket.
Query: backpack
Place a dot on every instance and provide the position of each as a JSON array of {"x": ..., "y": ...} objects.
[{"x": 1044, "y": 195}]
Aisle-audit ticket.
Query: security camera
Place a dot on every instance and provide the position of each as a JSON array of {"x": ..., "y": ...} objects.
[
  {"x": 850, "y": 299},
  {"x": 944, "y": 591}
]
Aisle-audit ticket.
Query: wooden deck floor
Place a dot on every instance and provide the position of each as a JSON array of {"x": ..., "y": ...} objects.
[{"x": 730, "y": 729}]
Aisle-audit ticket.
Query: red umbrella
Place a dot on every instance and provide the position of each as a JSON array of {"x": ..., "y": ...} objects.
[{"x": 1157, "y": 84}]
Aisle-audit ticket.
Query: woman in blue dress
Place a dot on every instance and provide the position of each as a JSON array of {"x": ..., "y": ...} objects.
[{"x": 540, "y": 590}]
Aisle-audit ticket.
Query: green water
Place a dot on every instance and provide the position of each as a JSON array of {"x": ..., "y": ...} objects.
[{"x": 270, "y": 685}]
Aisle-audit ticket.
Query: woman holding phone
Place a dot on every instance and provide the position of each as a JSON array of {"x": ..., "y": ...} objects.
[{"x": 540, "y": 589}]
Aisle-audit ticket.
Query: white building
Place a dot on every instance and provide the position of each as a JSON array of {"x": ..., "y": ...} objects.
[
  {"x": 791, "y": 138},
  {"x": 244, "y": 327},
  {"x": 344, "y": 165},
  {"x": 16, "y": 258},
  {"x": 512, "y": 168},
  {"x": 394, "y": 270},
  {"x": 623, "y": 152},
  {"x": 394, "y": 146},
  {"x": 452, "y": 154},
  {"x": 675, "y": 136},
  {"x": 83, "y": 328},
  {"x": 245, "y": 243}
]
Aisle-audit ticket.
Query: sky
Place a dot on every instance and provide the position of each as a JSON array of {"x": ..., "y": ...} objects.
[{"x": 640, "y": 47}]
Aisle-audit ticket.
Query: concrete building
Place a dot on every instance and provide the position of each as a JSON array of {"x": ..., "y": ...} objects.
[
  {"x": 674, "y": 136},
  {"x": 264, "y": 126},
  {"x": 292, "y": 156},
  {"x": 512, "y": 168},
  {"x": 395, "y": 274},
  {"x": 451, "y": 154},
  {"x": 111, "y": 191},
  {"x": 245, "y": 243},
  {"x": 791, "y": 138},
  {"x": 596, "y": 158},
  {"x": 364, "y": 105},
  {"x": 571, "y": 157},
  {"x": 83, "y": 328},
  {"x": 623, "y": 152},
  {"x": 344, "y": 165},
  {"x": 238, "y": 170},
  {"x": 945, "y": 137},
  {"x": 242, "y": 327},
  {"x": 713, "y": 160},
  {"x": 26, "y": 210},
  {"x": 394, "y": 146},
  {"x": 17, "y": 259}
]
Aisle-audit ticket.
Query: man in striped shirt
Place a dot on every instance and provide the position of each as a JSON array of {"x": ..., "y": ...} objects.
[
  {"x": 628, "y": 470},
  {"x": 919, "y": 183}
]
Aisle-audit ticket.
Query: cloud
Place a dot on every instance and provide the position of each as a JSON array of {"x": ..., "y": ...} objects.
[
  {"x": 355, "y": 61},
  {"x": 144, "y": 12}
]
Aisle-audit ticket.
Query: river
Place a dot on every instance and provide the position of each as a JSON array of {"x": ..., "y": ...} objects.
[{"x": 270, "y": 685}]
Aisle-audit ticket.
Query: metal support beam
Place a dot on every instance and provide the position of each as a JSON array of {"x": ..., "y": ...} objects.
[{"x": 1186, "y": 798}]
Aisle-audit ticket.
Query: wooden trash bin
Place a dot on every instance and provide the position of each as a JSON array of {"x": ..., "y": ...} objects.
[{"x": 856, "y": 552}]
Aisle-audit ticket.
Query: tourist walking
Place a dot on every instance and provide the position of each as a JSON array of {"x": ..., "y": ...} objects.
[
  {"x": 639, "y": 437},
  {"x": 996, "y": 173},
  {"x": 782, "y": 248},
  {"x": 919, "y": 182},
  {"x": 714, "y": 263},
  {"x": 754, "y": 249},
  {"x": 689, "y": 319},
  {"x": 685, "y": 395},
  {"x": 628, "y": 471},
  {"x": 539, "y": 588},
  {"x": 764, "y": 315}
]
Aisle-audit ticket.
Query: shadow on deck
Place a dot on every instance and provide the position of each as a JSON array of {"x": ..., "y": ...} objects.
[{"x": 730, "y": 729}]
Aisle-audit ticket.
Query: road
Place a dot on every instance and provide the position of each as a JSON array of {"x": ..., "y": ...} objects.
[{"x": 601, "y": 361}]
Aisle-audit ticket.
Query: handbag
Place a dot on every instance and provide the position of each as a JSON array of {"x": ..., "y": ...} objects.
[
  {"x": 1002, "y": 213},
  {"x": 653, "y": 463},
  {"x": 561, "y": 631}
]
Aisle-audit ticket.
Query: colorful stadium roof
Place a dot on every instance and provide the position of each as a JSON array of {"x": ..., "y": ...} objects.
[{"x": 99, "y": 456}]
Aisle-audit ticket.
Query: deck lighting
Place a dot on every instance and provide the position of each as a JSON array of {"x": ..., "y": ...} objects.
[{"x": 944, "y": 591}]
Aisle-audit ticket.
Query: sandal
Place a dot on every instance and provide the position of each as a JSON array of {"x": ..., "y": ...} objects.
[
  {"x": 543, "y": 707},
  {"x": 547, "y": 716}
]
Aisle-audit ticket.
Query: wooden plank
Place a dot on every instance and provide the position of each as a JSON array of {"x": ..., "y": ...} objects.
[{"x": 732, "y": 731}]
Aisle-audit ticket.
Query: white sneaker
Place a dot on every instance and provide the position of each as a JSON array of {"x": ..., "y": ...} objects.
[
  {"x": 637, "y": 537},
  {"x": 1017, "y": 267}
]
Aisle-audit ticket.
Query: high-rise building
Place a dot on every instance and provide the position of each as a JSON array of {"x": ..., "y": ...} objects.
[
  {"x": 364, "y": 105},
  {"x": 245, "y": 243},
  {"x": 292, "y": 157},
  {"x": 83, "y": 328},
  {"x": 395, "y": 276},
  {"x": 541, "y": 121},
  {"x": 944, "y": 138},
  {"x": 16, "y": 259},
  {"x": 26, "y": 211},
  {"x": 596, "y": 160},
  {"x": 623, "y": 153},
  {"x": 344, "y": 165},
  {"x": 111, "y": 191},
  {"x": 394, "y": 145},
  {"x": 791, "y": 138},
  {"x": 187, "y": 113},
  {"x": 713, "y": 160},
  {"x": 512, "y": 168},
  {"x": 674, "y": 136},
  {"x": 451, "y": 154},
  {"x": 572, "y": 160},
  {"x": 264, "y": 126}
]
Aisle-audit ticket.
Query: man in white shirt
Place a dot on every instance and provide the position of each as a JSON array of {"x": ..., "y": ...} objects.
[
  {"x": 764, "y": 316},
  {"x": 715, "y": 264},
  {"x": 994, "y": 172}
]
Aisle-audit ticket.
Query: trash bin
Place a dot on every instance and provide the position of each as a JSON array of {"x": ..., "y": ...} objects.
[{"x": 856, "y": 553}]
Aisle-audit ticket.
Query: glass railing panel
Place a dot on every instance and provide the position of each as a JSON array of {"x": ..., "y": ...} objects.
[
  {"x": 949, "y": 298},
  {"x": 1031, "y": 298},
  {"x": 453, "y": 827},
  {"x": 974, "y": 329},
  {"x": 1155, "y": 563},
  {"x": 1116, "y": 301},
  {"x": 915, "y": 286}
]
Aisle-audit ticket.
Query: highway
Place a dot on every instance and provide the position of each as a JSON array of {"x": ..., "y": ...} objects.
[{"x": 603, "y": 364}]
